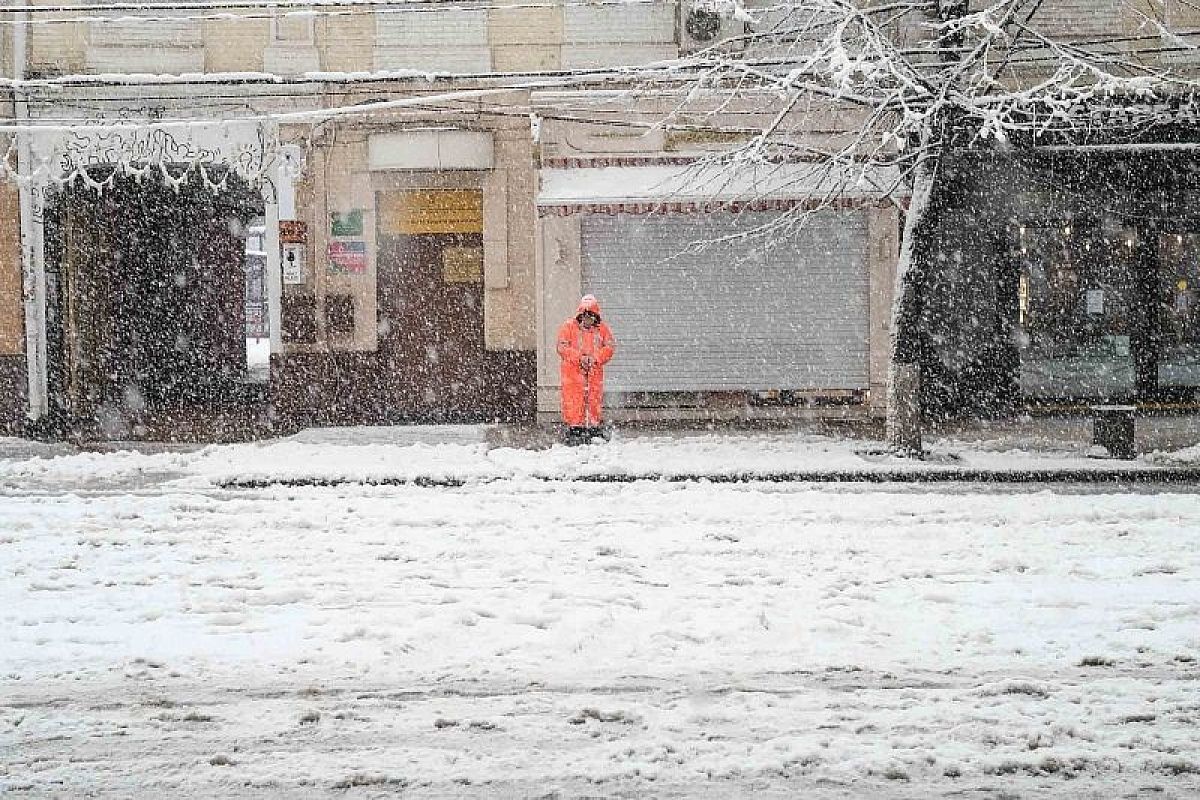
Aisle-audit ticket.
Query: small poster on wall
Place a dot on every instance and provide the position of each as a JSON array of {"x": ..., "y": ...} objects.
[
  {"x": 347, "y": 257},
  {"x": 346, "y": 223}
]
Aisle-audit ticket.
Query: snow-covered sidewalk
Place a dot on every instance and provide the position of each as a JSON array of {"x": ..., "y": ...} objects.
[
  {"x": 517, "y": 637},
  {"x": 464, "y": 454}
]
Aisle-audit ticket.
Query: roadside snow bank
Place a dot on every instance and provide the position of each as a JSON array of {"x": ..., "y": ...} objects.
[{"x": 458, "y": 454}]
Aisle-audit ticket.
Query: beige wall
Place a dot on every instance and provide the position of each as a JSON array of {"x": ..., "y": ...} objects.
[
  {"x": 228, "y": 46},
  {"x": 524, "y": 39},
  {"x": 337, "y": 180},
  {"x": 510, "y": 194},
  {"x": 347, "y": 43},
  {"x": 547, "y": 38},
  {"x": 883, "y": 253},
  {"x": 235, "y": 45},
  {"x": 559, "y": 282},
  {"x": 512, "y": 39},
  {"x": 12, "y": 332},
  {"x": 57, "y": 49}
]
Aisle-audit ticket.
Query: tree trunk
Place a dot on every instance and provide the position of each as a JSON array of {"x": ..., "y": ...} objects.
[{"x": 904, "y": 374}]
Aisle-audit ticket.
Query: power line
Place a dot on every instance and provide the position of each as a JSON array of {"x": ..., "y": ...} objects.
[
  {"x": 338, "y": 10},
  {"x": 208, "y": 5},
  {"x": 318, "y": 115},
  {"x": 680, "y": 67}
]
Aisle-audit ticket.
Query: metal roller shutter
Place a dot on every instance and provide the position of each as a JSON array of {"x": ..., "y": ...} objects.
[{"x": 770, "y": 312}]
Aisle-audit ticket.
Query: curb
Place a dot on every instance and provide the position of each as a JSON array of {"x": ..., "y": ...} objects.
[{"x": 1163, "y": 476}]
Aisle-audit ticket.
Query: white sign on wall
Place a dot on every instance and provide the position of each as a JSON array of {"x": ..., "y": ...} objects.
[{"x": 293, "y": 263}]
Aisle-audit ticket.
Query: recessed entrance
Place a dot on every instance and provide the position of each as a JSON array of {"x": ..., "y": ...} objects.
[
  {"x": 146, "y": 311},
  {"x": 431, "y": 307}
]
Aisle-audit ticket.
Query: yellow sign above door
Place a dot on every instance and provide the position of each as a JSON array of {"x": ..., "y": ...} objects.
[
  {"x": 421, "y": 211},
  {"x": 462, "y": 265}
]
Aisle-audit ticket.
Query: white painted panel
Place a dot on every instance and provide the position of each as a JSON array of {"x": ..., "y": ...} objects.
[
  {"x": 165, "y": 33},
  {"x": 161, "y": 46},
  {"x": 411, "y": 150},
  {"x": 435, "y": 59},
  {"x": 611, "y": 35},
  {"x": 436, "y": 41},
  {"x": 464, "y": 150},
  {"x": 430, "y": 150},
  {"x": 1080, "y": 18},
  {"x": 288, "y": 59},
  {"x": 166, "y": 60},
  {"x": 786, "y": 312},
  {"x": 640, "y": 24}
]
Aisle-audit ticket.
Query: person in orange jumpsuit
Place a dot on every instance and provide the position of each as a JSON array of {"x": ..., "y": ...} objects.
[{"x": 585, "y": 345}]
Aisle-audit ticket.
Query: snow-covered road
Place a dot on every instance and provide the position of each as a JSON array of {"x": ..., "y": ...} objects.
[{"x": 522, "y": 637}]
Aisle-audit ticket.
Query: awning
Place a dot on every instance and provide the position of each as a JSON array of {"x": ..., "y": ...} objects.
[
  {"x": 688, "y": 187},
  {"x": 176, "y": 151}
]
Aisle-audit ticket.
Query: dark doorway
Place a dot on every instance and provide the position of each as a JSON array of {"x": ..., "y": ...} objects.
[
  {"x": 147, "y": 312},
  {"x": 430, "y": 294}
]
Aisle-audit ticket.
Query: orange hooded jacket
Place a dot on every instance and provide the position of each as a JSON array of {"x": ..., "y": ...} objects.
[{"x": 584, "y": 352}]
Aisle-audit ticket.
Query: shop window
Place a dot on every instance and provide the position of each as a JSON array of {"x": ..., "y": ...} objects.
[
  {"x": 1076, "y": 301},
  {"x": 1179, "y": 309},
  {"x": 299, "y": 319}
]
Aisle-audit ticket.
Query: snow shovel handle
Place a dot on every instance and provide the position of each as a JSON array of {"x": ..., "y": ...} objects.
[{"x": 587, "y": 397}]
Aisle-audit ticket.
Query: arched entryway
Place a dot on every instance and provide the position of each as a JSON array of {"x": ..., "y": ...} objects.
[{"x": 146, "y": 323}]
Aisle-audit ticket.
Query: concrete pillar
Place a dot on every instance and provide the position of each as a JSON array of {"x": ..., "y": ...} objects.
[
  {"x": 559, "y": 283},
  {"x": 883, "y": 242}
]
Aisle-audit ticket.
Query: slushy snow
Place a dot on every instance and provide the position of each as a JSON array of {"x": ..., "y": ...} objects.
[{"x": 518, "y": 637}]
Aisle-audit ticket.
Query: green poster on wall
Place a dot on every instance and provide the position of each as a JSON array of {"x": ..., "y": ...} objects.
[{"x": 348, "y": 223}]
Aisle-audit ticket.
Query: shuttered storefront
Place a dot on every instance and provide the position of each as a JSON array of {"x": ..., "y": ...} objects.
[{"x": 785, "y": 311}]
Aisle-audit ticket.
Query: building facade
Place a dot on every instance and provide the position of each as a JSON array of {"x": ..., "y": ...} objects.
[
  {"x": 421, "y": 256},
  {"x": 1070, "y": 279}
]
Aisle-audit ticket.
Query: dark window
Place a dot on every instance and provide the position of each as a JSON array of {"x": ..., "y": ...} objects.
[
  {"x": 339, "y": 315},
  {"x": 299, "y": 318}
]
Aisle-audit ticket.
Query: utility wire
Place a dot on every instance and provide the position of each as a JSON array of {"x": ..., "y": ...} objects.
[
  {"x": 292, "y": 14},
  {"x": 386, "y": 76},
  {"x": 208, "y": 5}
]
